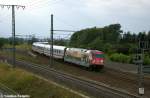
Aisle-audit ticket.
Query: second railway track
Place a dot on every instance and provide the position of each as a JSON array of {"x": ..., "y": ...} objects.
[{"x": 94, "y": 89}]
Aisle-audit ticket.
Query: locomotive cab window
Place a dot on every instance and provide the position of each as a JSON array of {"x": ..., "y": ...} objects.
[{"x": 99, "y": 55}]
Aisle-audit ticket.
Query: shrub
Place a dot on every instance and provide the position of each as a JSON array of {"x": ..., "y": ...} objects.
[
  {"x": 119, "y": 57},
  {"x": 108, "y": 48},
  {"x": 146, "y": 60},
  {"x": 2, "y": 42}
]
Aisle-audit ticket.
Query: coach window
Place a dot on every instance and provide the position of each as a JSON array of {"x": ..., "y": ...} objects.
[
  {"x": 56, "y": 51},
  {"x": 86, "y": 59}
]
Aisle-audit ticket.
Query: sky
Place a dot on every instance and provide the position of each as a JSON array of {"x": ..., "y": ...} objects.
[{"x": 74, "y": 15}]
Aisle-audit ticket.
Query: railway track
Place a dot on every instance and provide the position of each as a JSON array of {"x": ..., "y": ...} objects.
[
  {"x": 98, "y": 90},
  {"x": 4, "y": 90}
]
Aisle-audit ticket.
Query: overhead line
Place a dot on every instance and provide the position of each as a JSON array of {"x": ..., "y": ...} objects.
[{"x": 65, "y": 30}]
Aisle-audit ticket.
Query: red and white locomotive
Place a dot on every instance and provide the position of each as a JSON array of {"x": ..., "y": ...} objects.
[{"x": 83, "y": 57}]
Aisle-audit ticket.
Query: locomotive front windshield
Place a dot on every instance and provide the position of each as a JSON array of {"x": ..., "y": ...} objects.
[{"x": 99, "y": 56}]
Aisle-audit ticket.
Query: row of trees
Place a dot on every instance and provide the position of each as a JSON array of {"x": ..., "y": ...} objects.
[
  {"x": 109, "y": 39},
  {"x": 3, "y": 41},
  {"x": 87, "y": 37},
  {"x": 133, "y": 38},
  {"x": 18, "y": 41}
]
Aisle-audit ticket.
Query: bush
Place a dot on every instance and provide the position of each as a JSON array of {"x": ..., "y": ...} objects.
[
  {"x": 146, "y": 60},
  {"x": 119, "y": 57},
  {"x": 2, "y": 42},
  {"x": 108, "y": 48}
]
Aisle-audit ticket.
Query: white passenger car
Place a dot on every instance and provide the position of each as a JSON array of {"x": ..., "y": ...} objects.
[
  {"x": 38, "y": 47},
  {"x": 44, "y": 48},
  {"x": 58, "y": 51}
]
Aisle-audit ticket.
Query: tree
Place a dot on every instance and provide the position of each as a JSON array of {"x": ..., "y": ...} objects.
[
  {"x": 97, "y": 44},
  {"x": 3, "y": 41},
  {"x": 61, "y": 42},
  {"x": 91, "y": 36},
  {"x": 33, "y": 39},
  {"x": 142, "y": 36},
  {"x": 84, "y": 37},
  {"x": 112, "y": 32}
]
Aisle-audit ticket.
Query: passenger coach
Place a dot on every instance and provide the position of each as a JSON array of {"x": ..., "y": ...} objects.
[
  {"x": 38, "y": 47},
  {"x": 58, "y": 51}
]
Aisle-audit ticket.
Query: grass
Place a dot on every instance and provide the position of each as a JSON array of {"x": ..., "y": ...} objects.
[
  {"x": 28, "y": 84},
  {"x": 119, "y": 57},
  {"x": 20, "y": 56},
  {"x": 24, "y": 46}
]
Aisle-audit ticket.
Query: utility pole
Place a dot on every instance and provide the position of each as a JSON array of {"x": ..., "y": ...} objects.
[
  {"x": 141, "y": 75},
  {"x": 13, "y": 28},
  {"x": 13, "y": 34},
  {"x": 144, "y": 46},
  {"x": 51, "y": 44},
  {"x": 140, "y": 68}
]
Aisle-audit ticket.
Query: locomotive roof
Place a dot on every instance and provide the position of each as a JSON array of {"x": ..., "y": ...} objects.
[
  {"x": 81, "y": 49},
  {"x": 77, "y": 49}
]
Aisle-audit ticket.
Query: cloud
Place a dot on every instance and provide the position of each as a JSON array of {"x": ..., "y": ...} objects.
[
  {"x": 135, "y": 7},
  {"x": 133, "y": 15},
  {"x": 130, "y": 13}
]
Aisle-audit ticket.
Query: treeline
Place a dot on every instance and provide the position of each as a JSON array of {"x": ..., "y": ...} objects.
[
  {"x": 61, "y": 42},
  {"x": 109, "y": 39},
  {"x": 96, "y": 38},
  {"x": 18, "y": 41}
]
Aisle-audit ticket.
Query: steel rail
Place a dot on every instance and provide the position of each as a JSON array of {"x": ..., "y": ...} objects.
[{"x": 6, "y": 90}]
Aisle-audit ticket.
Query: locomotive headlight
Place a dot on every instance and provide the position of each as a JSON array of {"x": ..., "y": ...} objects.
[{"x": 101, "y": 61}]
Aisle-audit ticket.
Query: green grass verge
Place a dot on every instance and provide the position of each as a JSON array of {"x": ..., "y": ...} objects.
[
  {"x": 24, "y": 46},
  {"x": 26, "y": 83},
  {"x": 119, "y": 57},
  {"x": 20, "y": 56}
]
